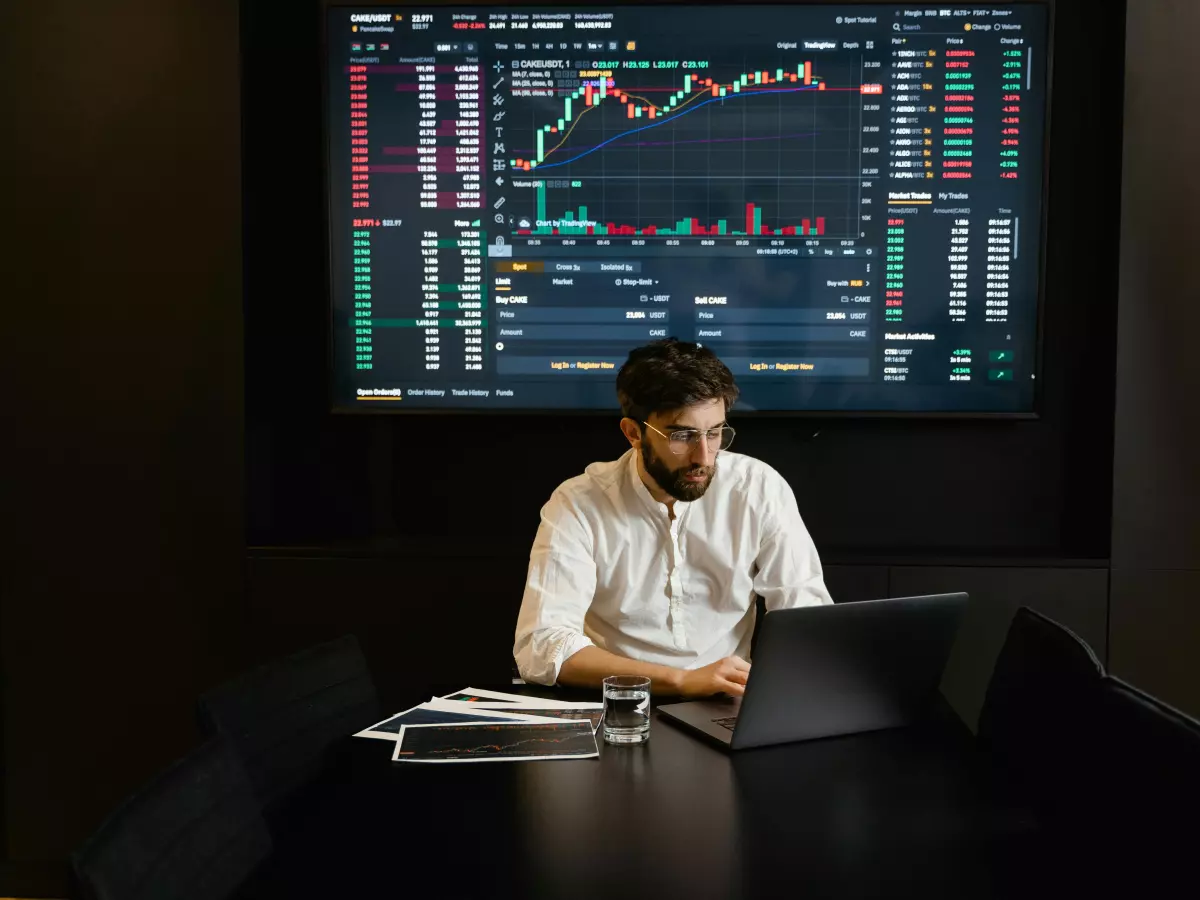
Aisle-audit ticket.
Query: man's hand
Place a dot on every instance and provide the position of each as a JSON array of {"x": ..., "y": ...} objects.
[{"x": 727, "y": 676}]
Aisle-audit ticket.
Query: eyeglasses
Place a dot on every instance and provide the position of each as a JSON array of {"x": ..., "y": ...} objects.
[{"x": 682, "y": 440}]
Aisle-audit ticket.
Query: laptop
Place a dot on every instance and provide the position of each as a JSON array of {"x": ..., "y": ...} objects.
[{"x": 822, "y": 671}]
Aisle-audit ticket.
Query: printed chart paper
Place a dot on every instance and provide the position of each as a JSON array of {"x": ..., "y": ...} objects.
[
  {"x": 495, "y": 742},
  {"x": 590, "y": 712},
  {"x": 428, "y": 714}
]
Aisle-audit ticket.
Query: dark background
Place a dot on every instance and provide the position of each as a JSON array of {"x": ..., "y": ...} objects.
[{"x": 181, "y": 505}]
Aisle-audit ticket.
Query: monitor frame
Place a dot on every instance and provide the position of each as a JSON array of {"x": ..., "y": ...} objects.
[{"x": 331, "y": 405}]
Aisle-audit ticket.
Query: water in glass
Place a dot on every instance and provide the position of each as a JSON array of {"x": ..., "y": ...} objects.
[{"x": 626, "y": 709}]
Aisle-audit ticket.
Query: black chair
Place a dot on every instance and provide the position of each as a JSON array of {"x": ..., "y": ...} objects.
[
  {"x": 282, "y": 718},
  {"x": 193, "y": 833},
  {"x": 1149, "y": 805},
  {"x": 1039, "y": 713}
]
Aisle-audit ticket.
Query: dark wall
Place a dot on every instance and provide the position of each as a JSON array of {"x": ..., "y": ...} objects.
[
  {"x": 122, "y": 581},
  {"x": 1155, "y": 628}
]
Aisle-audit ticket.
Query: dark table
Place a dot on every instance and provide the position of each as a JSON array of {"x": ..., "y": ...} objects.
[{"x": 913, "y": 812}]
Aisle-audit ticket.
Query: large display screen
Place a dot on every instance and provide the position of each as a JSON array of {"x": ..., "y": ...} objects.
[{"x": 843, "y": 201}]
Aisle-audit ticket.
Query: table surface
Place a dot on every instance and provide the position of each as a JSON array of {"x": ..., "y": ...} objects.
[{"x": 900, "y": 813}]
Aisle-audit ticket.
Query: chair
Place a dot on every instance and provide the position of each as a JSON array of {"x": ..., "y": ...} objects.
[
  {"x": 1114, "y": 773},
  {"x": 1038, "y": 715},
  {"x": 282, "y": 718},
  {"x": 193, "y": 833},
  {"x": 1149, "y": 807}
]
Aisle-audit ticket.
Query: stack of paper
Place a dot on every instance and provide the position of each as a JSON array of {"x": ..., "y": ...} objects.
[{"x": 487, "y": 726}]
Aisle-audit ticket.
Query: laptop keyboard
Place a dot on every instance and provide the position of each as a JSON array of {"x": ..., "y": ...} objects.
[{"x": 727, "y": 722}]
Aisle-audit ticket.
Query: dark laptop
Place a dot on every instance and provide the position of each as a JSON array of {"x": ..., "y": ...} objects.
[{"x": 821, "y": 671}]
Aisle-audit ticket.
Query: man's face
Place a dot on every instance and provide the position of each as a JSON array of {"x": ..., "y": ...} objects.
[{"x": 685, "y": 477}]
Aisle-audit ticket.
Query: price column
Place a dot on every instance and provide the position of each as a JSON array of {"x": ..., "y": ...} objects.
[
  {"x": 958, "y": 115},
  {"x": 894, "y": 284},
  {"x": 360, "y": 170},
  {"x": 364, "y": 331}
]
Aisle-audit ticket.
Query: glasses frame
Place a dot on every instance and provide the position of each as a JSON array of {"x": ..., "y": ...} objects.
[{"x": 694, "y": 442}]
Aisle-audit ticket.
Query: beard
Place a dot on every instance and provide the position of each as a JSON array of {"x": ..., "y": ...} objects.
[{"x": 674, "y": 481}]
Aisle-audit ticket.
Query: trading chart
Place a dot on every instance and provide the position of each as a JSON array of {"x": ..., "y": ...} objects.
[{"x": 844, "y": 202}]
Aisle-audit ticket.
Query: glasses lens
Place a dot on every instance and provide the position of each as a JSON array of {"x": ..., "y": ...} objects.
[{"x": 681, "y": 441}]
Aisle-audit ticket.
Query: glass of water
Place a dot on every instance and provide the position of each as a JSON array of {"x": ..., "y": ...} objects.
[{"x": 626, "y": 709}]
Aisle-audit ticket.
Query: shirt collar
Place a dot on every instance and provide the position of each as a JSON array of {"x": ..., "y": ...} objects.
[{"x": 658, "y": 510}]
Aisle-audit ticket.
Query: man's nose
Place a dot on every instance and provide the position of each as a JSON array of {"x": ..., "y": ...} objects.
[{"x": 702, "y": 454}]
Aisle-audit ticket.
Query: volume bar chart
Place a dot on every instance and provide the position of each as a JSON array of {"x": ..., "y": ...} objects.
[{"x": 576, "y": 222}]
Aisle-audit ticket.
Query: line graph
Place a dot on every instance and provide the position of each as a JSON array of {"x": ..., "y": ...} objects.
[
  {"x": 450, "y": 743},
  {"x": 770, "y": 151},
  {"x": 766, "y": 137},
  {"x": 595, "y": 91},
  {"x": 526, "y": 165}
]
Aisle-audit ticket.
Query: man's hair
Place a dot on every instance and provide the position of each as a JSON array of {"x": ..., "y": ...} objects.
[{"x": 671, "y": 374}]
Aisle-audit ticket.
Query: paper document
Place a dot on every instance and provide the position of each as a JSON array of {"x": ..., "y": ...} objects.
[
  {"x": 495, "y": 742},
  {"x": 428, "y": 714},
  {"x": 471, "y": 695},
  {"x": 588, "y": 712},
  {"x": 497, "y": 700}
]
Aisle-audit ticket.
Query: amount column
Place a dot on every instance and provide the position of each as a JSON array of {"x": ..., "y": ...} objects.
[{"x": 453, "y": 298}]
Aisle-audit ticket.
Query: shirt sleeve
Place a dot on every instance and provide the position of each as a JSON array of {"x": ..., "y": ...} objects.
[
  {"x": 558, "y": 591},
  {"x": 788, "y": 567}
]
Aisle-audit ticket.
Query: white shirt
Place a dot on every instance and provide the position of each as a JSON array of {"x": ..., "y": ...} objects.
[{"x": 610, "y": 568}]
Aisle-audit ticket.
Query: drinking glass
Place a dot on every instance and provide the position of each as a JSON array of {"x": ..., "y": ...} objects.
[{"x": 626, "y": 709}]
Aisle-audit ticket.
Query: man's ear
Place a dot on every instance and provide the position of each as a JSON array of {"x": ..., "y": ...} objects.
[{"x": 632, "y": 432}]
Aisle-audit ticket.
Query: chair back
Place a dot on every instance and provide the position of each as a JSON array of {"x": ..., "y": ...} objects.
[
  {"x": 282, "y": 718},
  {"x": 1152, "y": 793},
  {"x": 193, "y": 833},
  {"x": 1039, "y": 711}
]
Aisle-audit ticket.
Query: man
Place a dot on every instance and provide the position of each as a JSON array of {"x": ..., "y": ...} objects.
[{"x": 649, "y": 565}]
